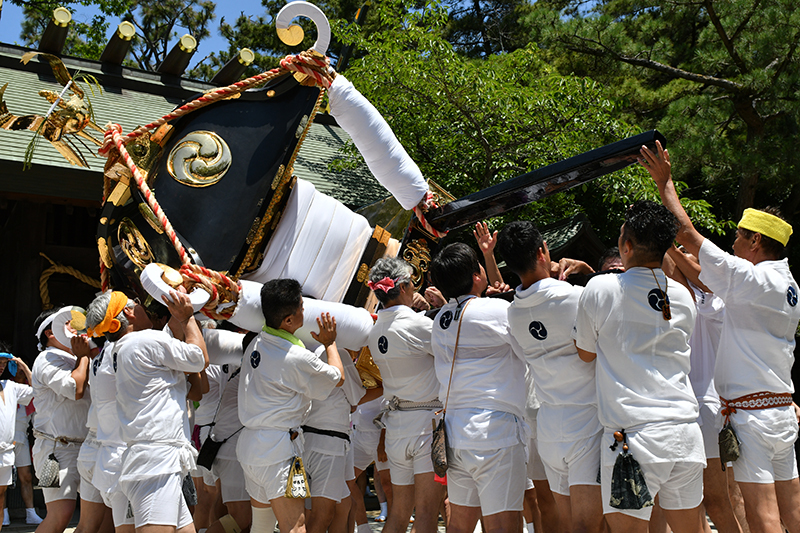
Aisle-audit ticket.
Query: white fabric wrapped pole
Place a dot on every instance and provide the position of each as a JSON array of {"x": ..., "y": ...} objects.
[
  {"x": 385, "y": 156},
  {"x": 352, "y": 323}
]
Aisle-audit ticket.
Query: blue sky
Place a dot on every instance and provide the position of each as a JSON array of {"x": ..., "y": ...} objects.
[{"x": 11, "y": 20}]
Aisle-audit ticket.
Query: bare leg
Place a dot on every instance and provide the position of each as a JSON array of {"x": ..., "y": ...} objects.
[
  {"x": 715, "y": 498},
  {"x": 564, "y": 512},
  {"x": 289, "y": 513},
  {"x": 149, "y": 528},
  {"x": 504, "y": 522},
  {"x": 384, "y": 479},
  {"x": 340, "y": 517},
  {"x": 25, "y": 479},
  {"x": 737, "y": 502},
  {"x": 620, "y": 523},
  {"x": 587, "y": 508},
  {"x": 658, "y": 522},
  {"x": 206, "y": 497},
  {"x": 547, "y": 505},
  {"x": 92, "y": 516},
  {"x": 686, "y": 520},
  {"x": 59, "y": 513},
  {"x": 788, "y": 493},
  {"x": 761, "y": 505},
  {"x": 357, "y": 486},
  {"x": 240, "y": 511},
  {"x": 532, "y": 506},
  {"x": 3, "y": 489},
  {"x": 463, "y": 519},
  {"x": 321, "y": 515}
]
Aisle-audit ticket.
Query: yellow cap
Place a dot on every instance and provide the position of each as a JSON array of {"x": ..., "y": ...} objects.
[{"x": 766, "y": 224}]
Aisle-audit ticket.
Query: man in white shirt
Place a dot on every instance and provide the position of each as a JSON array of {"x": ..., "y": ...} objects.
[
  {"x": 279, "y": 379},
  {"x": 568, "y": 431},
  {"x": 756, "y": 351},
  {"x": 637, "y": 326},
  {"x": 485, "y": 416},
  {"x": 59, "y": 381},
  {"x": 150, "y": 371}
]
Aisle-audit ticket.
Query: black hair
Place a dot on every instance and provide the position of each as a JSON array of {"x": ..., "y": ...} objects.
[
  {"x": 771, "y": 247},
  {"x": 38, "y": 322},
  {"x": 519, "y": 243},
  {"x": 608, "y": 253},
  {"x": 452, "y": 269},
  {"x": 651, "y": 228},
  {"x": 280, "y": 298}
]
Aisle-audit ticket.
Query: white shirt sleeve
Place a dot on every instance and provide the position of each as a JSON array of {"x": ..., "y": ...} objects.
[
  {"x": 223, "y": 347},
  {"x": 182, "y": 356},
  {"x": 24, "y": 393},
  {"x": 58, "y": 377},
  {"x": 585, "y": 332},
  {"x": 727, "y": 275},
  {"x": 315, "y": 378}
]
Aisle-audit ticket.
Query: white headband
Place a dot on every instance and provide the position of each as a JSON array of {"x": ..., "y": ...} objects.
[{"x": 46, "y": 324}]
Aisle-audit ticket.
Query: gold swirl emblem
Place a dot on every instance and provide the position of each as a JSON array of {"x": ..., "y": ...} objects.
[
  {"x": 200, "y": 159},
  {"x": 133, "y": 243}
]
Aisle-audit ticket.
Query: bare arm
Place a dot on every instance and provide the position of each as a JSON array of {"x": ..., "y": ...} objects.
[
  {"x": 327, "y": 337},
  {"x": 81, "y": 350},
  {"x": 198, "y": 385},
  {"x": 660, "y": 168},
  {"x": 688, "y": 266},
  {"x": 371, "y": 394},
  {"x": 486, "y": 242},
  {"x": 585, "y": 356},
  {"x": 25, "y": 370},
  {"x": 187, "y": 327},
  {"x": 568, "y": 267}
]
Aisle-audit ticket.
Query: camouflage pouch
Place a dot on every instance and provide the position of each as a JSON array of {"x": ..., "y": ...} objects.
[{"x": 728, "y": 445}]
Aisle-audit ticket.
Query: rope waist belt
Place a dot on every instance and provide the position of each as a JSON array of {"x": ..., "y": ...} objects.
[
  {"x": 329, "y": 433},
  {"x": 396, "y": 404},
  {"x": 63, "y": 440},
  {"x": 755, "y": 401}
]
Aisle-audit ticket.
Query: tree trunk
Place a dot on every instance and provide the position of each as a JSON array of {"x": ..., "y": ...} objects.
[{"x": 748, "y": 181}]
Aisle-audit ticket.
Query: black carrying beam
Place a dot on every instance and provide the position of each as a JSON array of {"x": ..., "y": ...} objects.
[{"x": 542, "y": 182}]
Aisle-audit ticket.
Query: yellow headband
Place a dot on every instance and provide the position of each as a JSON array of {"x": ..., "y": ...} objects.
[
  {"x": 110, "y": 324},
  {"x": 766, "y": 224}
]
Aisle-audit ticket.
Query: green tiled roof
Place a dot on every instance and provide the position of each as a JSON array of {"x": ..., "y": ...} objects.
[{"x": 132, "y": 98}]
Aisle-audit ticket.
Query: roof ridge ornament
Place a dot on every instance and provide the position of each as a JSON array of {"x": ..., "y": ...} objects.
[{"x": 292, "y": 34}]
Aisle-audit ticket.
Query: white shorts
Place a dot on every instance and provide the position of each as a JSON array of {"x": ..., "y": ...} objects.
[
  {"x": 365, "y": 449},
  {"x": 571, "y": 463},
  {"x": 349, "y": 466},
  {"x": 409, "y": 456},
  {"x": 767, "y": 445},
  {"x": 492, "y": 480},
  {"x": 87, "y": 458},
  {"x": 22, "y": 454},
  {"x": 208, "y": 476},
  {"x": 6, "y": 475},
  {"x": 326, "y": 475},
  {"x": 118, "y": 503},
  {"x": 231, "y": 480},
  {"x": 267, "y": 482},
  {"x": 679, "y": 485},
  {"x": 67, "y": 456},
  {"x": 708, "y": 426},
  {"x": 158, "y": 501}
]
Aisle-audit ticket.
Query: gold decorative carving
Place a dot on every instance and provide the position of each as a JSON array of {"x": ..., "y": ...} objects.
[
  {"x": 278, "y": 177},
  {"x": 367, "y": 369},
  {"x": 105, "y": 255},
  {"x": 133, "y": 243},
  {"x": 150, "y": 217},
  {"x": 200, "y": 159},
  {"x": 103, "y": 221},
  {"x": 418, "y": 255},
  {"x": 363, "y": 273}
]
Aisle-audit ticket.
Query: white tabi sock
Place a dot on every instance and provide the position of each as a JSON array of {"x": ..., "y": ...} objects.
[{"x": 264, "y": 520}]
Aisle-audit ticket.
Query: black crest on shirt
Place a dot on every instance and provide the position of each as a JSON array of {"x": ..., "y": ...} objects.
[
  {"x": 791, "y": 296},
  {"x": 255, "y": 359},
  {"x": 446, "y": 319},
  {"x": 115, "y": 362},
  {"x": 656, "y": 299},
  {"x": 96, "y": 363},
  {"x": 538, "y": 330},
  {"x": 383, "y": 344},
  {"x": 224, "y": 369}
]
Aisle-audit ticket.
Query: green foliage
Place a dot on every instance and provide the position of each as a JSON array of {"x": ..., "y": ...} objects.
[
  {"x": 719, "y": 78},
  {"x": 470, "y": 124}
]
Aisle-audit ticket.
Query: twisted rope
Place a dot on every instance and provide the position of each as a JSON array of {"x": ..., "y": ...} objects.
[
  {"x": 221, "y": 288},
  {"x": 56, "y": 268},
  {"x": 424, "y": 205}
]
